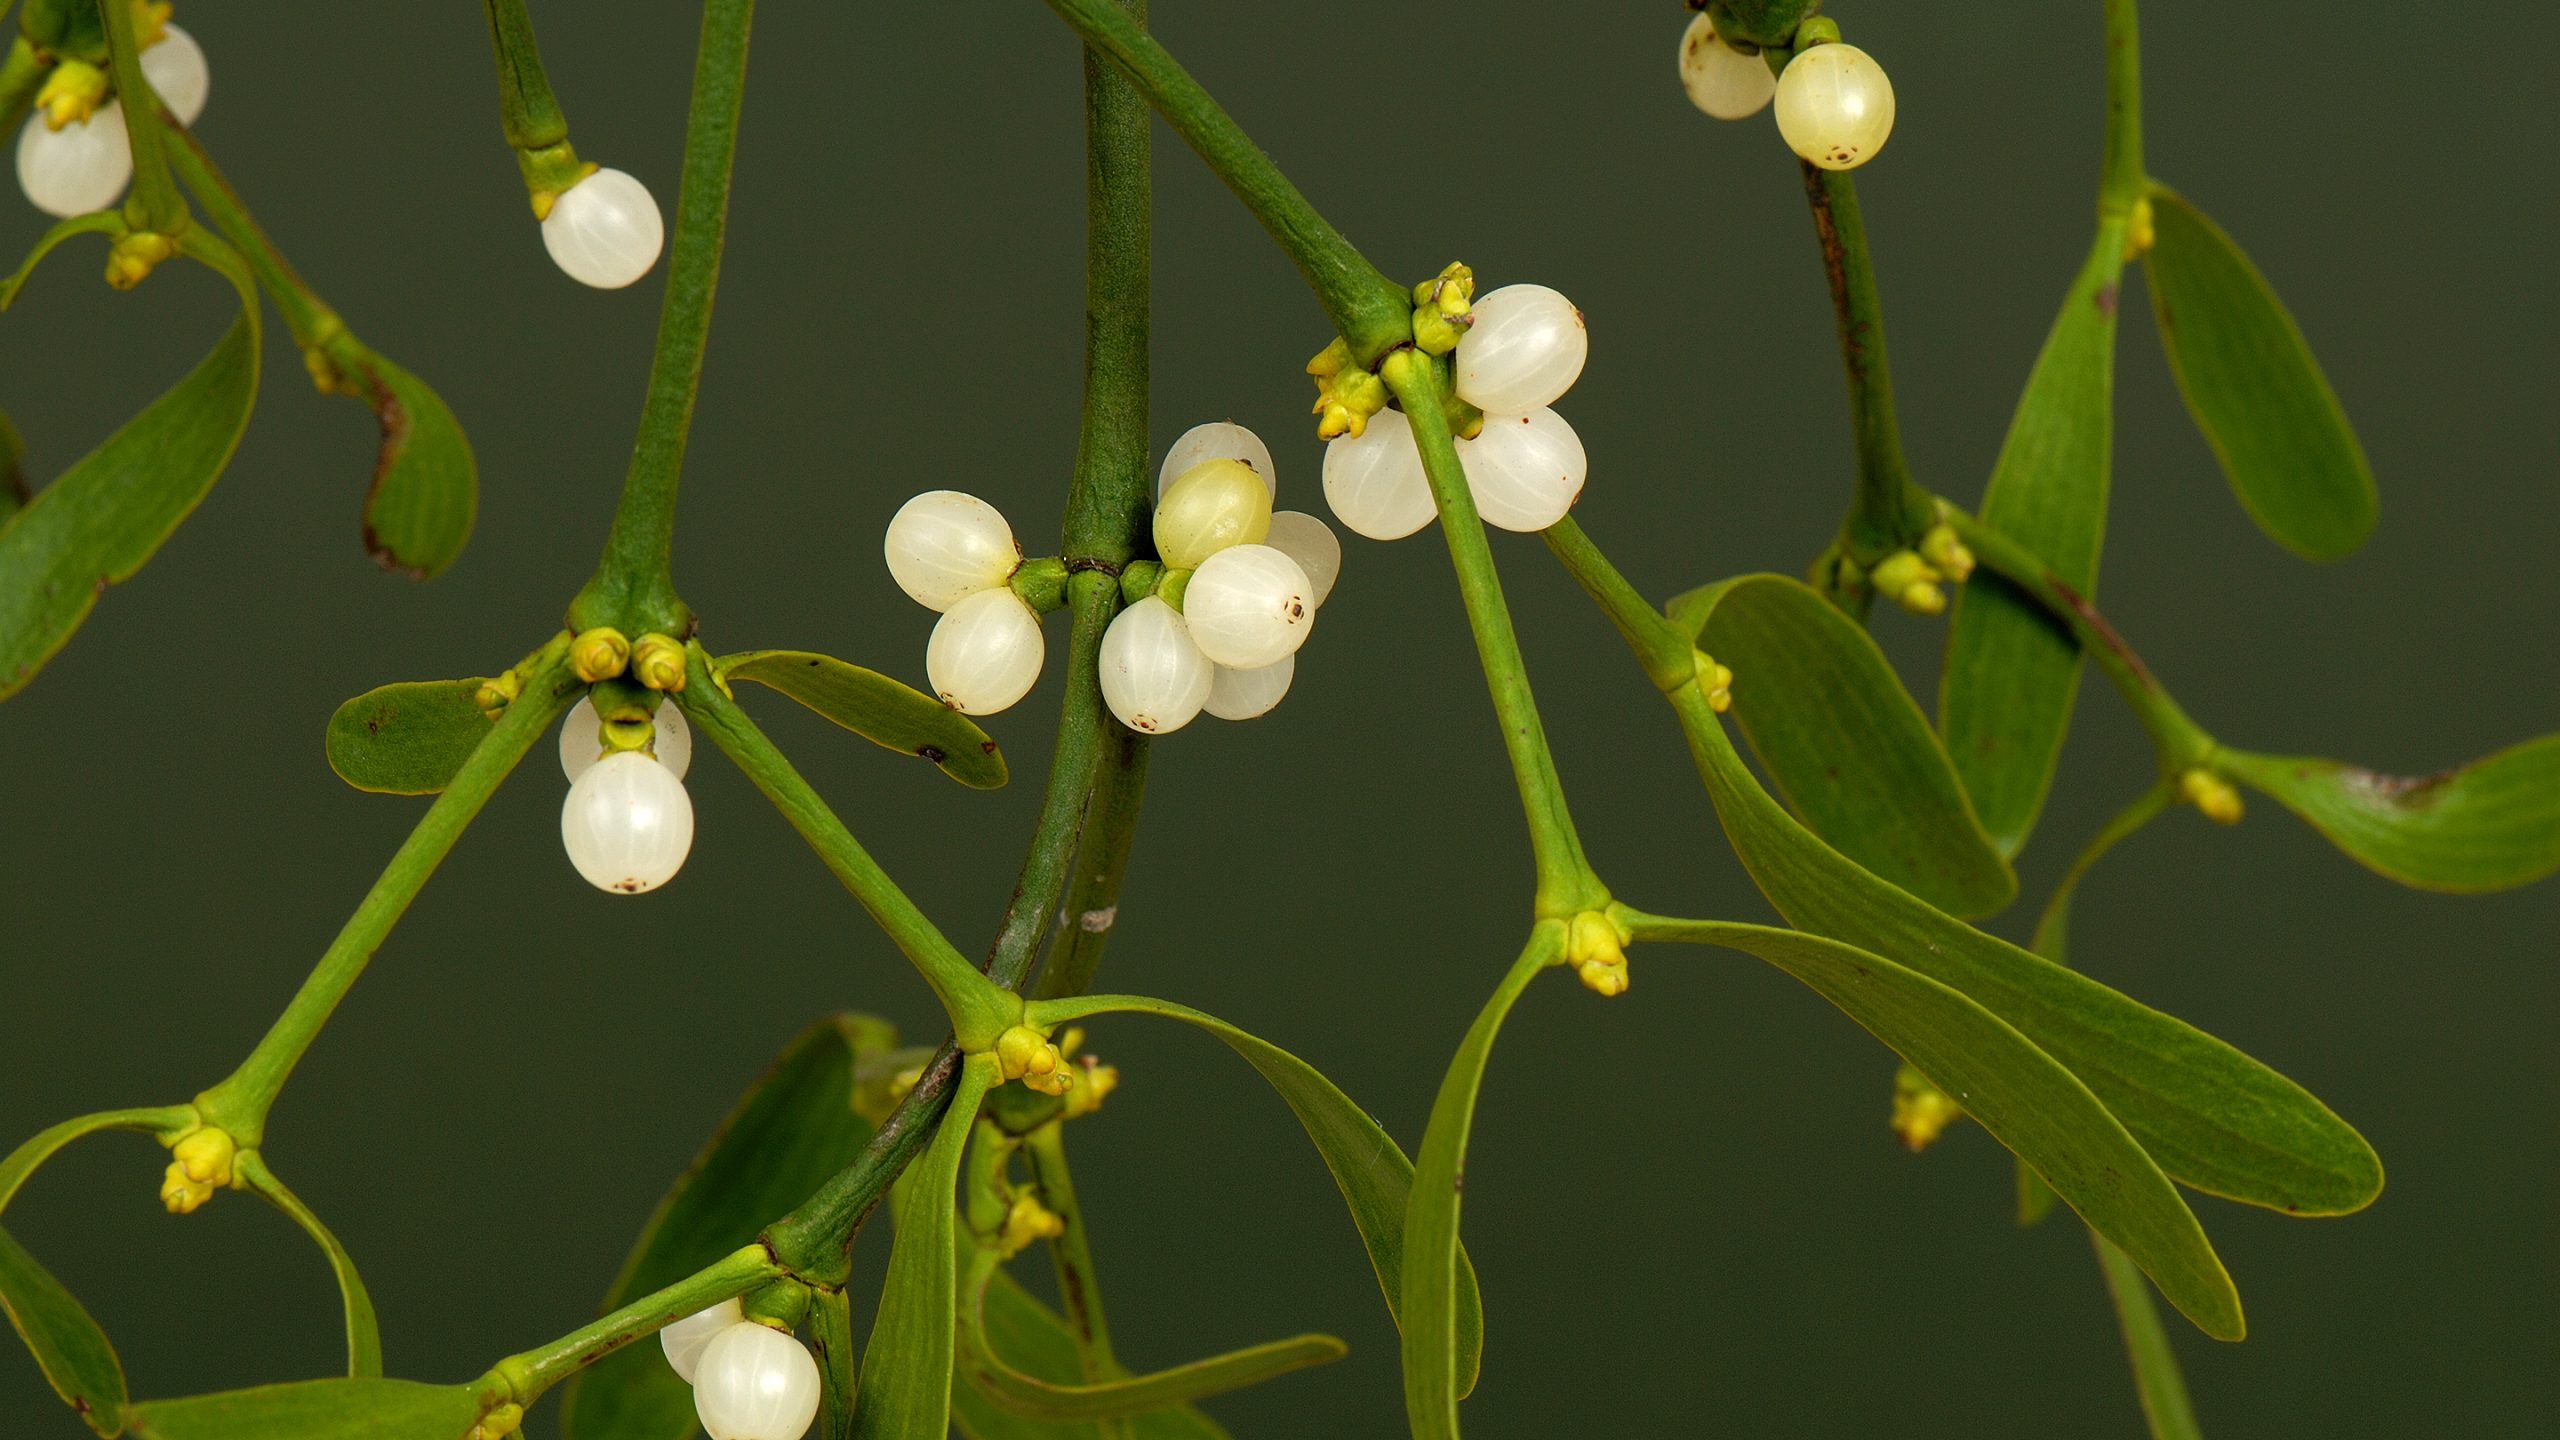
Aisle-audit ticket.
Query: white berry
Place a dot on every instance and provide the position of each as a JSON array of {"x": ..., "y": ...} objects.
[
  {"x": 1721, "y": 80},
  {"x": 627, "y": 823},
  {"x": 1245, "y": 694},
  {"x": 1374, "y": 481},
  {"x": 754, "y": 1382},
  {"x": 582, "y": 739},
  {"x": 604, "y": 230},
  {"x": 944, "y": 546},
  {"x": 985, "y": 652},
  {"x": 1212, "y": 505},
  {"x": 1524, "y": 470},
  {"x": 174, "y": 64},
  {"x": 1218, "y": 440},
  {"x": 1312, "y": 543},
  {"x": 1525, "y": 348},
  {"x": 1153, "y": 677},
  {"x": 1248, "y": 606},
  {"x": 685, "y": 1340},
  {"x": 78, "y": 168},
  {"x": 1835, "y": 106}
]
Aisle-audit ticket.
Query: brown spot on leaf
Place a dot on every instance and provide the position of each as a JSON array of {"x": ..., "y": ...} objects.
[
  {"x": 934, "y": 753},
  {"x": 2106, "y": 300}
]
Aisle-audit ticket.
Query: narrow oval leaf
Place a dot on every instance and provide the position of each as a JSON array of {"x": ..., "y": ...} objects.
[
  {"x": 2026, "y": 1099},
  {"x": 905, "y": 1389},
  {"x": 364, "y": 1330},
  {"x": 408, "y": 738},
  {"x": 1036, "y": 1341},
  {"x": 2156, "y": 1379},
  {"x": 2254, "y": 389},
  {"x": 317, "y": 1410},
  {"x": 102, "y": 222},
  {"x": 1850, "y": 753},
  {"x": 2012, "y": 671},
  {"x": 1373, "y": 1174},
  {"x": 69, "y": 1347},
  {"x": 895, "y": 716},
  {"x": 2490, "y": 825},
  {"x": 102, "y": 518},
  {"x": 2211, "y": 1116},
  {"x": 426, "y": 487},
  {"x": 792, "y": 1129},
  {"x": 40, "y": 1147}
]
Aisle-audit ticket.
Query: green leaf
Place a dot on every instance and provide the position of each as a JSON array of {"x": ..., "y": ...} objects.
[
  {"x": 2156, "y": 1379},
  {"x": 2013, "y": 1089},
  {"x": 2254, "y": 389},
  {"x": 102, "y": 518},
  {"x": 791, "y": 1130},
  {"x": 877, "y": 708},
  {"x": 1036, "y": 1341},
  {"x": 408, "y": 738},
  {"x": 1848, "y": 750},
  {"x": 905, "y": 1390},
  {"x": 2012, "y": 671},
  {"x": 2490, "y": 825},
  {"x": 1374, "y": 1176},
  {"x": 364, "y": 1330},
  {"x": 2211, "y": 1116},
  {"x": 69, "y": 1347},
  {"x": 102, "y": 222},
  {"x": 40, "y": 1147},
  {"x": 1438, "y": 1296},
  {"x": 317, "y": 1410},
  {"x": 426, "y": 488}
]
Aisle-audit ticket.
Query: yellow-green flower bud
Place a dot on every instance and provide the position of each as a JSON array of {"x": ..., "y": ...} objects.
[
  {"x": 498, "y": 1424},
  {"x": 1451, "y": 291},
  {"x": 1025, "y": 1054},
  {"x": 1909, "y": 582},
  {"x": 1094, "y": 1082},
  {"x": 2139, "y": 231},
  {"x": 134, "y": 255},
  {"x": 1596, "y": 949},
  {"x": 2212, "y": 795},
  {"x": 1346, "y": 395},
  {"x": 599, "y": 654},
  {"x": 1716, "y": 680},
  {"x": 1921, "y": 1111},
  {"x": 201, "y": 1162},
  {"x": 657, "y": 661},
  {"x": 1946, "y": 554},
  {"x": 497, "y": 693},
  {"x": 72, "y": 92},
  {"x": 1027, "y": 1220}
]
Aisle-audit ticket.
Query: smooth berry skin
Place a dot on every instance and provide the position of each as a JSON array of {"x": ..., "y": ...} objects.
[
  {"x": 1249, "y": 606},
  {"x": 77, "y": 169},
  {"x": 754, "y": 1382},
  {"x": 1374, "y": 482},
  {"x": 685, "y": 1340},
  {"x": 1218, "y": 440},
  {"x": 1835, "y": 106},
  {"x": 944, "y": 546},
  {"x": 1212, "y": 505},
  {"x": 604, "y": 231},
  {"x": 1312, "y": 543},
  {"x": 1722, "y": 81},
  {"x": 1153, "y": 677},
  {"x": 1249, "y": 694},
  {"x": 627, "y": 824},
  {"x": 174, "y": 65},
  {"x": 986, "y": 652},
  {"x": 582, "y": 739},
  {"x": 1525, "y": 471},
  {"x": 1525, "y": 349}
]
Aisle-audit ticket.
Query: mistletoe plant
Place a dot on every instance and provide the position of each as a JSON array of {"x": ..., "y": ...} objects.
[{"x": 1877, "y": 833}]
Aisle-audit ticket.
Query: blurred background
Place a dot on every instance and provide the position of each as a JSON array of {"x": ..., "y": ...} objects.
[{"x": 1685, "y": 1205}]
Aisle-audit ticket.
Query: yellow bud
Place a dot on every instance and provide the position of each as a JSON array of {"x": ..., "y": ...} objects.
[
  {"x": 1922, "y": 597},
  {"x": 135, "y": 255},
  {"x": 1946, "y": 554},
  {"x": 1024, "y": 1054},
  {"x": 1329, "y": 360},
  {"x": 2139, "y": 231},
  {"x": 72, "y": 92},
  {"x": 180, "y": 1194},
  {"x": 2212, "y": 795},
  {"x": 1058, "y": 1081},
  {"x": 1346, "y": 395},
  {"x": 1596, "y": 949},
  {"x": 657, "y": 661},
  {"x": 1094, "y": 1081},
  {"x": 1603, "y": 978},
  {"x": 495, "y": 695},
  {"x": 1921, "y": 1111},
  {"x": 599, "y": 654},
  {"x": 150, "y": 20},
  {"x": 1025, "y": 1221},
  {"x": 205, "y": 1154},
  {"x": 505, "y": 1420}
]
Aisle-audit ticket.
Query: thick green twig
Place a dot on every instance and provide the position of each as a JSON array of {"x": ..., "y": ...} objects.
[{"x": 1889, "y": 510}]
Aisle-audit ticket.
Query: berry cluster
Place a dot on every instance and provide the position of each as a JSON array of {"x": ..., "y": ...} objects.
[
  {"x": 73, "y": 157},
  {"x": 1835, "y": 106},
  {"x": 1521, "y": 348},
  {"x": 750, "y": 1381},
  {"x": 628, "y": 823}
]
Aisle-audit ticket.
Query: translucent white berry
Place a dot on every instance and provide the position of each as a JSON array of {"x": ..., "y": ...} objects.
[
  {"x": 944, "y": 546},
  {"x": 1245, "y": 694},
  {"x": 78, "y": 168},
  {"x": 1312, "y": 543},
  {"x": 174, "y": 64},
  {"x": 985, "y": 652},
  {"x": 754, "y": 1382},
  {"x": 627, "y": 823},
  {"x": 604, "y": 230},
  {"x": 1218, "y": 440},
  {"x": 1153, "y": 677},
  {"x": 685, "y": 1340},
  {"x": 1835, "y": 107},
  {"x": 1212, "y": 505},
  {"x": 1524, "y": 470},
  {"x": 1374, "y": 481},
  {"x": 1525, "y": 348},
  {"x": 582, "y": 739},
  {"x": 1247, "y": 606},
  {"x": 1721, "y": 80}
]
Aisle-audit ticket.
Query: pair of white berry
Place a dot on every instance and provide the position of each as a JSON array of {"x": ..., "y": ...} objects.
[
  {"x": 83, "y": 166},
  {"x": 1525, "y": 348},
  {"x": 1257, "y": 578},
  {"x": 750, "y": 1381},
  {"x": 954, "y": 553},
  {"x": 1835, "y": 106},
  {"x": 628, "y": 823}
]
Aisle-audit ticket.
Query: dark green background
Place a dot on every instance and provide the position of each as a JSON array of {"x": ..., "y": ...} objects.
[{"x": 1687, "y": 1211}]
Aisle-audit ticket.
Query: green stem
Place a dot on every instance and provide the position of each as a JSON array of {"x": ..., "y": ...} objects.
[
  {"x": 2122, "y": 181},
  {"x": 1372, "y": 313},
  {"x": 525, "y": 1375},
  {"x": 978, "y": 1010},
  {"x": 526, "y": 107},
  {"x": 816, "y": 1240},
  {"x": 2179, "y": 741},
  {"x": 21, "y": 76},
  {"x": 154, "y": 203},
  {"x": 2162, "y": 1389},
  {"x": 634, "y": 587},
  {"x": 239, "y": 1103},
  {"x": 1092, "y": 899},
  {"x": 1669, "y": 660},
  {"x": 2053, "y": 922},
  {"x": 1566, "y": 883},
  {"x": 1890, "y": 511},
  {"x": 1079, "y": 1288},
  {"x": 310, "y": 319}
]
